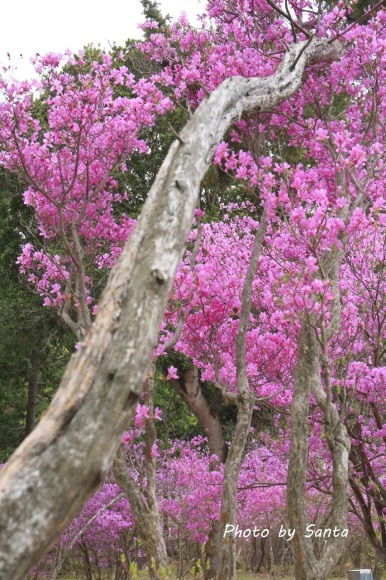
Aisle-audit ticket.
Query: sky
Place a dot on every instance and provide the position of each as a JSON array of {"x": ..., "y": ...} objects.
[{"x": 40, "y": 26}]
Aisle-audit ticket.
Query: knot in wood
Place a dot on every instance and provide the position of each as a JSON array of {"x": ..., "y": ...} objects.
[{"x": 158, "y": 276}]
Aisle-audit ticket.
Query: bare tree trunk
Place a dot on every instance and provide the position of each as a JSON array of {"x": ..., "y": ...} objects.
[
  {"x": 307, "y": 379},
  {"x": 144, "y": 505},
  {"x": 60, "y": 464},
  {"x": 190, "y": 391},
  {"x": 245, "y": 400},
  {"x": 312, "y": 365},
  {"x": 33, "y": 387},
  {"x": 158, "y": 558},
  {"x": 227, "y": 569},
  {"x": 306, "y": 369},
  {"x": 213, "y": 550},
  {"x": 147, "y": 519}
]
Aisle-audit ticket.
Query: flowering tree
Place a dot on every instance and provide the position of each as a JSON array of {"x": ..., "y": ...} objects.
[
  {"x": 70, "y": 157},
  {"x": 113, "y": 360},
  {"x": 189, "y": 494},
  {"x": 361, "y": 376},
  {"x": 314, "y": 209},
  {"x": 68, "y": 147}
]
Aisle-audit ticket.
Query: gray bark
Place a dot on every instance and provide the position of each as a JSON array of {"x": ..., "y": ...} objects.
[
  {"x": 312, "y": 365},
  {"x": 146, "y": 517},
  {"x": 245, "y": 401},
  {"x": 144, "y": 504},
  {"x": 307, "y": 380},
  {"x": 60, "y": 464}
]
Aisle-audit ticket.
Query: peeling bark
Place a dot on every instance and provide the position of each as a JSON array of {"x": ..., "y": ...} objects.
[{"x": 60, "y": 464}]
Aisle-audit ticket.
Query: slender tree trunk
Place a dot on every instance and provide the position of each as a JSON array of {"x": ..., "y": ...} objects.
[
  {"x": 312, "y": 365},
  {"x": 147, "y": 519},
  {"x": 59, "y": 465},
  {"x": 157, "y": 559},
  {"x": 213, "y": 550},
  {"x": 306, "y": 368},
  {"x": 33, "y": 387},
  {"x": 227, "y": 568},
  {"x": 245, "y": 401},
  {"x": 144, "y": 505}
]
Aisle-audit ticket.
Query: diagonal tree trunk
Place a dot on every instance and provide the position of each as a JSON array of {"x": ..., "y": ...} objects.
[
  {"x": 190, "y": 392},
  {"x": 60, "y": 464}
]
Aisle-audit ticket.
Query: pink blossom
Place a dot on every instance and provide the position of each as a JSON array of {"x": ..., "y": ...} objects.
[{"x": 172, "y": 373}]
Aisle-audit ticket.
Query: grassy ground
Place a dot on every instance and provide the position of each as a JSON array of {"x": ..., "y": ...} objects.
[
  {"x": 241, "y": 575},
  {"x": 142, "y": 575}
]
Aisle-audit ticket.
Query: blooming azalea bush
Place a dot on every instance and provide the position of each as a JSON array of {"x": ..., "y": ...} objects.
[{"x": 103, "y": 536}]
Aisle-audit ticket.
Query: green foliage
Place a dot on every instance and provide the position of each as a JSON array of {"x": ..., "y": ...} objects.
[
  {"x": 151, "y": 11},
  {"x": 177, "y": 421},
  {"x": 359, "y": 8},
  {"x": 26, "y": 326}
]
